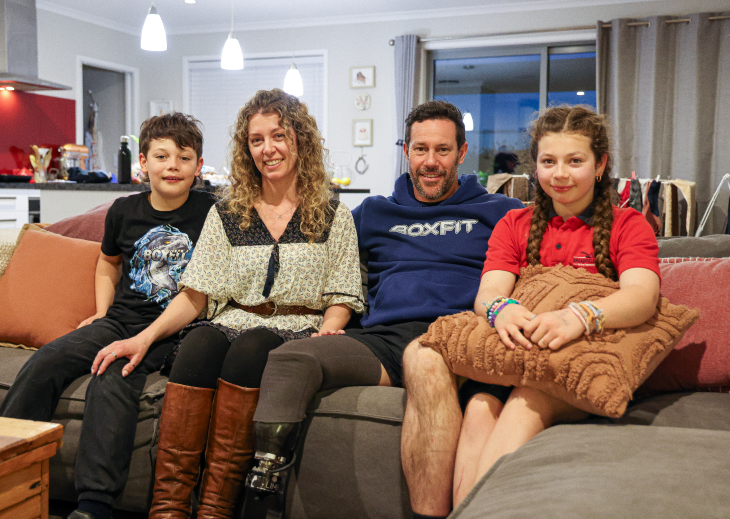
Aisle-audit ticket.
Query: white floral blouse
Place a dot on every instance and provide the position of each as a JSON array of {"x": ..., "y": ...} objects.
[{"x": 251, "y": 268}]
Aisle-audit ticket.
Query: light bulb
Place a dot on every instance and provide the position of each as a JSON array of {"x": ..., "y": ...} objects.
[
  {"x": 468, "y": 122},
  {"x": 293, "y": 82},
  {"x": 232, "y": 56},
  {"x": 153, "y": 32}
]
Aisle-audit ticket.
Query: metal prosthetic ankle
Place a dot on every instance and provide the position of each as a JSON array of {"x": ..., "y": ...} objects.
[{"x": 274, "y": 444}]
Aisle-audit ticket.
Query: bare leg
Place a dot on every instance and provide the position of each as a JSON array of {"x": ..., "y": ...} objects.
[
  {"x": 480, "y": 417},
  {"x": 430, "y": 430},
  {"x": 526, "y": 413}
]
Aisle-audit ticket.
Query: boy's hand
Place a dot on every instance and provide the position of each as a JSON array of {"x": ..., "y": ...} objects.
[
  {"x": 90, "y": 320},
  {"x": 134, "y": 348},
  {"x": 554, "y": 329}
]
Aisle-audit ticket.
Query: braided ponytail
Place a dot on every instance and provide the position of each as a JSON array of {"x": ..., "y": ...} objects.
[{"x": 584, "y": 121}]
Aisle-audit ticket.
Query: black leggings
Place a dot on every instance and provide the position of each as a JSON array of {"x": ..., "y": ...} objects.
[
  {"x": 299, "y": 369},
  {"x": 206, "y": 355}
]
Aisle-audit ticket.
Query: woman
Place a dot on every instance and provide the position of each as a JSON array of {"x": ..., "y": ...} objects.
[{"x": 277, "y": 260}]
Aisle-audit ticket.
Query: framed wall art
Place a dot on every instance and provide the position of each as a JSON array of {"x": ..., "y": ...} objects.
[
  {"x": 160, "y": 107},
  {"x": 362, "y": 77},
  {"x": 362, "y": 132}
]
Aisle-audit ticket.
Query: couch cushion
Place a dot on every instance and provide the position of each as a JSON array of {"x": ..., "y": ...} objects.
[
  {"x": 348, "y": 457},
  {"x": 47, "y": 288},
  {"x": 701, "y": 360},
  {"x": 712, "y": 246},
  {"x": 86, "y": 226},
  {"x": 579, "y": 471},
  {"x": 597, "y": 374}
]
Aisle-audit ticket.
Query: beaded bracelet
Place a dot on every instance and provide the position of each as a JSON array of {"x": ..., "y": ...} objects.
[
  {"x": 590, "y": 315},
  {"x": 496, "y": 306}
]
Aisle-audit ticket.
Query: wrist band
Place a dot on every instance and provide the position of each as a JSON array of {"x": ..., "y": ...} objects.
[
  {"x": 590, "y": 315},
  {"x": 496, "y": 306}
]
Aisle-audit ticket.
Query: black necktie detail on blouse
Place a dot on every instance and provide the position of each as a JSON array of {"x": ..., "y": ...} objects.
[{"x": 272, "y": 270}]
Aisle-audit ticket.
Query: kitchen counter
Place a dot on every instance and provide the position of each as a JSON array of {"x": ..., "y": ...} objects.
[{"x": 62, "y": 200}]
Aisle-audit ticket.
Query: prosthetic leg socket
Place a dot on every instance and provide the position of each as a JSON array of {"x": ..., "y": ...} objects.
[{"x": 274, "y": 445}]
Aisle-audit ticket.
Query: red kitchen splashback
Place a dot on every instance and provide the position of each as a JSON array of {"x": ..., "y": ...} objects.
[{"x": 26, "y": 119}]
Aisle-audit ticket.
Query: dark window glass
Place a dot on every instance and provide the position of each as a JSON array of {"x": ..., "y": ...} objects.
[{"x": 572, "y": 79}]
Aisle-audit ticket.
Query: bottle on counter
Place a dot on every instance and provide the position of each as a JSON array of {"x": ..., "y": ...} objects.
[{"x": 124, "y": 165}]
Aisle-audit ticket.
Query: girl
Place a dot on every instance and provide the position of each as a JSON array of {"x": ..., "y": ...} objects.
[{"x": 574, "y": 223}]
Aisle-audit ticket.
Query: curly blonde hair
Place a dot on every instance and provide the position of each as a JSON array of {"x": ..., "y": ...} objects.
[
  {"x": 583, "y": 121},
  {"x": 313, "y": 185}
]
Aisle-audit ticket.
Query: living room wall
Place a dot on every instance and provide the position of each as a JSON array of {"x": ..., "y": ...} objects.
[{"x": 356, "y": 43}]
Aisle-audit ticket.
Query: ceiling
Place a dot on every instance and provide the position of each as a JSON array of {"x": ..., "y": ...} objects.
[{"x": 215, "y": 15}]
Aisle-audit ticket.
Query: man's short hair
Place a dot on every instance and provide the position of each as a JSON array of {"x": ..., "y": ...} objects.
[
  {"x": 437, "y": 110},
  {"x": 184, "y": 130}
]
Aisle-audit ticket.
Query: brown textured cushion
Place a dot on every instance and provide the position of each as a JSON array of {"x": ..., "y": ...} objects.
[
  {"x": 47, "y": 288},
  {"x": 597, "y": 373}
]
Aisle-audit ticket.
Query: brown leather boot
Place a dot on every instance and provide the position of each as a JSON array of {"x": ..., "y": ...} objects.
[
  {"x": 183, "y": 432},
  {"x": 229, "y": 455}
]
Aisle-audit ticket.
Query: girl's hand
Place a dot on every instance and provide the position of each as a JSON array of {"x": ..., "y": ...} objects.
[
  {"x": 510, "y": 322},
  {"x": 322, "y": 333},
  {"x": 554, "y": 329}
]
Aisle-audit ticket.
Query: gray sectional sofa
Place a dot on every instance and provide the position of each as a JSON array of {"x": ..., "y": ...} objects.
[{"x": 667, "y": 457}]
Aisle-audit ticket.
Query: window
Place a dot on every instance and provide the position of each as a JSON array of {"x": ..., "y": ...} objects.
[
  {"x": 215, "y": 95},
  {"x": 503, "y": 88}
]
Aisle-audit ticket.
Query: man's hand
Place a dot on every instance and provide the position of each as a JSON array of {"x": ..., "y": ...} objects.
[
  {"x": 554, "y": 329},
  {"x": 322, "y": 333},
  {"x": 90, "y": 320},
  {"x": 134, "y": 349},
  {"x": 510, "y": 322}
]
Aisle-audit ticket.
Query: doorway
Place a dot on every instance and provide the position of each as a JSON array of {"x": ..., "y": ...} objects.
[{"x": 106, "y": 96}]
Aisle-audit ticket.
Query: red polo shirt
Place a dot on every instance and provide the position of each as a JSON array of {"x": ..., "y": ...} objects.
[{"x": 570, "y": 242}]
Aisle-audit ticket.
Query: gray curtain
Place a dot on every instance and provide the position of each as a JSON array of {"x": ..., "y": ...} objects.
[
  {"x": 405, "y": 90},
  {"x": 666, "y": 90}
]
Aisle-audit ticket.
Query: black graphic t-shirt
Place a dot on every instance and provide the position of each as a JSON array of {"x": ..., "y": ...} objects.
[{"x": 156, "y": 246}]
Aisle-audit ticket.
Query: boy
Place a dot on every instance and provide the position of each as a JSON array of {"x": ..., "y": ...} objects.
[{"x": 148, "y": 241}]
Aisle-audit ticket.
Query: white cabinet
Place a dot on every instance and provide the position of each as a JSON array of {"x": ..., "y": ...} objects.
[{"x": 15, "y": 206}]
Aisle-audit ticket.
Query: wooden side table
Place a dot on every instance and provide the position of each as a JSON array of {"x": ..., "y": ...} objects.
[{"x": 25, "y": 449}]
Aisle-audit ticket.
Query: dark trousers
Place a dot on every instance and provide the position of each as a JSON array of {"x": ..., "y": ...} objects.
[{"x": 112, "y": 401}]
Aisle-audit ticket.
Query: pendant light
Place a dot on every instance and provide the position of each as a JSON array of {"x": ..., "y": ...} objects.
[
  {"x": 468, "y": 122},
  {"x": 232, "y": 56},
  {"x": 293, "y": 81},
  {"x": 153, "y": 32}
]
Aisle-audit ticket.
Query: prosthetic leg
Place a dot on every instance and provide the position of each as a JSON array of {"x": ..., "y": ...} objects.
[{"x": 275, "y": 444}]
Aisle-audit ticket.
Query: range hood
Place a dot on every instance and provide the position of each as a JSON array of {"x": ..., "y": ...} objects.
[{"x": 19, "y": 47}]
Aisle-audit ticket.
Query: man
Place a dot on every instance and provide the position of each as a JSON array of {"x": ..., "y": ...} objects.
[{"x": 425, "y": 248}]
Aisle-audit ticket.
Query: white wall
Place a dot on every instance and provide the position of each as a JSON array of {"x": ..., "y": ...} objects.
[{"x": 356, "y": 44}]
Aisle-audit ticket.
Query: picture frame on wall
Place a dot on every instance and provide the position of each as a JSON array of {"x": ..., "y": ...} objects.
[
  {"x": 160, "y": 107},
  {"x": 362, "y": 132},
  {"x": 362, "y": 77}
]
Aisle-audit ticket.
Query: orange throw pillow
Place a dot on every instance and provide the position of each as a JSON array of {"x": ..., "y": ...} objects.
[
  {"x": 597, "y": 373},
  {"x": 47, "y": 288}
]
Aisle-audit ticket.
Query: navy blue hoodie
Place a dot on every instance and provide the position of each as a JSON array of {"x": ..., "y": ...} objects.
[{"x": 425, "y": 260}]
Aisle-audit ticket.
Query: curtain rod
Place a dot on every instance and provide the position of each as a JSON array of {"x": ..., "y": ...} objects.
[{"x": 560, "y": 29}]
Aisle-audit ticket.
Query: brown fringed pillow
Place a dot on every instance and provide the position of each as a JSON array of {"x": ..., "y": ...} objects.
[{"x": 596, "y": 373}]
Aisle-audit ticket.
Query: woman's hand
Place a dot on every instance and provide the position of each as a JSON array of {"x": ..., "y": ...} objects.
[
  {"x": 90, "y": 320},
  {"x": 322, "y": 333},
  {"x": 554, "y": 329},
  {"x": 134, "y": 348},
  {"x": 510, "y": 323}
]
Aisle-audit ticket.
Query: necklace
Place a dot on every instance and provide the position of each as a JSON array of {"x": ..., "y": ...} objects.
[{"x": 282, "y": 215}]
